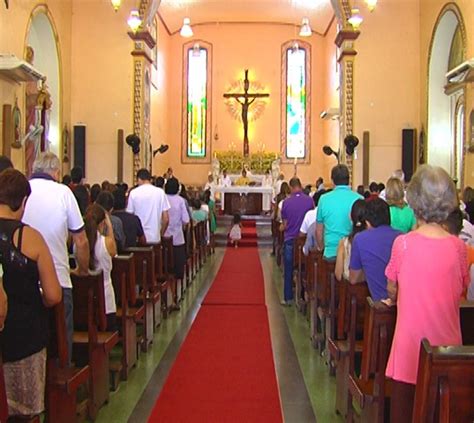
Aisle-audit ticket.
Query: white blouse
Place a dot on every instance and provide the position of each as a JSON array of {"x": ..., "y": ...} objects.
[{"x": 103, "y": 262}]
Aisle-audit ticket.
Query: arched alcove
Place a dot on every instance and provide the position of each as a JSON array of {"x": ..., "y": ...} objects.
[
  {"x": 445, "y": 103},
  {"x": 41, "y": 37}
]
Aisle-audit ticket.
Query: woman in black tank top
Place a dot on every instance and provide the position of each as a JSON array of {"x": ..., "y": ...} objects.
[{"x": 31, "y": 285}]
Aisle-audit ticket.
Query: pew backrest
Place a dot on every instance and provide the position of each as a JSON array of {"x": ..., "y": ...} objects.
[
  {"x": 89, "y": 303},
  {"x": 379, "y": 328},
  {"x": 144, "y": 268},
  {"x": 125, "y": 264},
  {"x": 466, "y": 312},
  {"x": 445, "y": 384}
]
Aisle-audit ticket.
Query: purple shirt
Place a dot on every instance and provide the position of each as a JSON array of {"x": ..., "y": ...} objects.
[
  {"x": 293, "y": 212},
  {"x": 179, "y": 216},
  {"x": 371, "y": 252}
]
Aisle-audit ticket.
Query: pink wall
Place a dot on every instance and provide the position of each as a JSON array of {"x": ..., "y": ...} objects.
[
  {"x": 387, "y": 83},
  {"x": 257, "y": 47}
]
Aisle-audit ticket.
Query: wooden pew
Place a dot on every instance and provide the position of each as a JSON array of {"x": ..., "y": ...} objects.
[
  {"x": 189, "y": 268},
  {"x": 162, "y": 286},
  {"x": 149, "y": 293},
  {"x": 128, "y": 312},
  {"x": 194, "y": 248},
  {"x": 307, "y": 281},
  {"x": 325, "y": 271},
  {"x": 91, "y": 342},
  {"x": 313, "y": 301},
  {"x": 445, "y": 385},
  {"x": 347, "y": 327},
  {"x": 168, "y": 270},
  {"x": 62, "y": 380},
  {"x": 299, "y": 264},
  {"x": 3, "y": 396},
  {"x": 371, "y": 388},
  {"x": 466, "y": 312}
]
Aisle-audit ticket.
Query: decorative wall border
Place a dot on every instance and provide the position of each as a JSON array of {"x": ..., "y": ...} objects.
[
  {"x": 184, "y": 100},
  {"x": 283, "y": 94},
  {"x": 454, "y": 8}
]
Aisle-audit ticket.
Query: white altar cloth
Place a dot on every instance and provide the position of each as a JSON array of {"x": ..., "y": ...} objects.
[{"x": 267, "y": 193}]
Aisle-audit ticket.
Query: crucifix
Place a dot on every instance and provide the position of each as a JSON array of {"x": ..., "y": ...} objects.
[{"x": 246, "y": 99}]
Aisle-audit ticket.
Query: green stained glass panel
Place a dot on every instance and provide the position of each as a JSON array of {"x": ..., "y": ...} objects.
[
  {"x": 296, "y": 103},
  {"x": 197, "y": 103}
]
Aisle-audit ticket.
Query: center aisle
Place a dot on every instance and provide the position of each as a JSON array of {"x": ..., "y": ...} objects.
[{"x": 225, "y": 370}]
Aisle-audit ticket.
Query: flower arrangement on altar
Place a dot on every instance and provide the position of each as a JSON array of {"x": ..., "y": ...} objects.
[{"x": 234, "y": 162}]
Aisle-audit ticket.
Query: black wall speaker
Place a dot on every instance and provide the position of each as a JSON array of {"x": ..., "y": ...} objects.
[
  {"x": 79, "y": 134},
  {"x": 408, "y": 153}
]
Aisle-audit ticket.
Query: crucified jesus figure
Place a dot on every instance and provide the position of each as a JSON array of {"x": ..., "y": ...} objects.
[{"x": 246, "y": 99}]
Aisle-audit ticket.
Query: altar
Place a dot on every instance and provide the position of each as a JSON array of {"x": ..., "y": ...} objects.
[{"x": 249, "y": 200}]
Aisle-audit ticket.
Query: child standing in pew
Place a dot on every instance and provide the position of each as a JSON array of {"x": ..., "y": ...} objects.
[
  {"x": 102, "y": 248},
  {"x": 235, "y": 234}
]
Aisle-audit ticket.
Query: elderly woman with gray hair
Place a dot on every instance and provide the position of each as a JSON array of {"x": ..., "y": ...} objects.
[{"x": 426, "y": 275}]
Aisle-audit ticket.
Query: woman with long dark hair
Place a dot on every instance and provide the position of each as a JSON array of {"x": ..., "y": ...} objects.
[
  {"x": 344, "y": 248},
  {"x": 102, "y": 248}
]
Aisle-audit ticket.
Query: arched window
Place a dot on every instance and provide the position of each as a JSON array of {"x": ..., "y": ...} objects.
[
  {"x": 296, "y": 96},
  {"x": 196, "y": 102}
]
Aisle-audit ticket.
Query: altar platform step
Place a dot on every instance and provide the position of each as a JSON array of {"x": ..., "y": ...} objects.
[{"x": 262, "y": 224}]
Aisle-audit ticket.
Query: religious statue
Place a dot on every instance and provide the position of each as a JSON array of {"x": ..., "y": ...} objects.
[
  {"x": 16, "y": 114},
  {"x": 38, "y": 107},
  {"x": 245, "y": 100}
]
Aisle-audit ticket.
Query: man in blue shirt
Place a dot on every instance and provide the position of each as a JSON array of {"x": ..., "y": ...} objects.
[
  {"x": 293, "y": 212},
  {"x": 333, "y": 218},
  {"x": 372, "y": 248}
]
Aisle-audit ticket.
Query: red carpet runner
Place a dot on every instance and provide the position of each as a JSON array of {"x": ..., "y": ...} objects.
[
  {"x": 225, "y": 371},
  {"x": 249, "y": 234}
]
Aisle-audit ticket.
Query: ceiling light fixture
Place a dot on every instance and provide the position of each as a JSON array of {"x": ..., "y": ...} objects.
[
  {"x": 356, "y": 19},
  {"x": 371, "y": 4},
  {"x": 116, "y": 4},
  {"x": 186, "y": 30},
  {"x": 134, "y": 21},
  {"x": 305, "y": 30}
]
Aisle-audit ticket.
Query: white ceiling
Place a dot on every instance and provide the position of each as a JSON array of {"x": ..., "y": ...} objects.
[{"x": 319, "y": 12}]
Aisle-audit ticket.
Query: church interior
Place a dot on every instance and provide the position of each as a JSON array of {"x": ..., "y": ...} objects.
[{"x": 261, "y": 92}]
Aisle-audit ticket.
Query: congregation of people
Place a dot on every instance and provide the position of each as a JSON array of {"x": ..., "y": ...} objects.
[
  {"x": 402, "y": 240},
  {"x": 52, "y": 231}
]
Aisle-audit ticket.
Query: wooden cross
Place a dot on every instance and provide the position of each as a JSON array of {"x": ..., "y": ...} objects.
[{"x": 246, "y": 99}]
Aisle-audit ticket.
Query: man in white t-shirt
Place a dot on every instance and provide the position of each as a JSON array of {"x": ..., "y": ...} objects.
[
  {"x": 52, "y": 210},
  {"x": 309, "y": 219},
  {"x": 151, "y": 206}
]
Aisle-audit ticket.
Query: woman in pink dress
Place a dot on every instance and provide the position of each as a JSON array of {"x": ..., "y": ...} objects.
[{"x": 426, "y": 276}]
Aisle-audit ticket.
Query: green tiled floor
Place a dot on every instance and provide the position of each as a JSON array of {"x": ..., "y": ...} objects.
[{"x": 321, "y": 387}]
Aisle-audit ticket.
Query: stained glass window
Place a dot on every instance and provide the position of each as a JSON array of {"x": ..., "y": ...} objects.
[
  {"x": 197, "y": 102},
  {"x": 296, "y": 95}
]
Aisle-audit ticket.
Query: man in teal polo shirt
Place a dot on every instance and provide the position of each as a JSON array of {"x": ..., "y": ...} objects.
[{"x": 333, "y": 220}]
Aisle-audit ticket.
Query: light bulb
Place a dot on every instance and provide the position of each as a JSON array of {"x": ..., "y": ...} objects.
[
  {"x": 356, "y": 19},
  {"x": 116, "y": 4},
  {"x": 186, "y": 30},
  {"x": 305, "y": 30},
  {"x": 134, "y": 21},
  {"x": 371, "y": 4}
]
